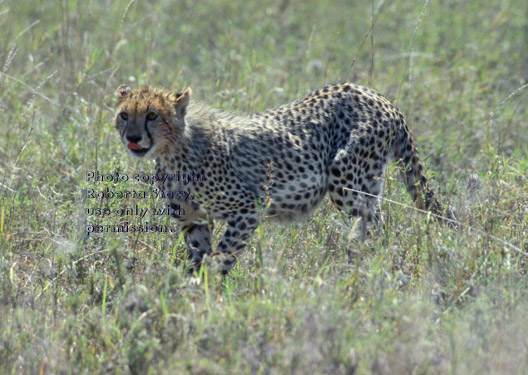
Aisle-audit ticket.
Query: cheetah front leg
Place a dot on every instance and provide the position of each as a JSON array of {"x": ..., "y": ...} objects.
[
  {"x": 196, "y": 227},
  {"x": 198, "y": 241},
  {"x": 237, "y": 235}
]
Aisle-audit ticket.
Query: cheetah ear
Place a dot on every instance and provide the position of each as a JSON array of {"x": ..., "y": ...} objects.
[
  {"x": 181, "y": 100},
  {"x": 121, "y": 92}
]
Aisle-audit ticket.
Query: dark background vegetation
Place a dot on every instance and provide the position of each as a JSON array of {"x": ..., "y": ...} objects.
[{"x": 421, "y": 299}]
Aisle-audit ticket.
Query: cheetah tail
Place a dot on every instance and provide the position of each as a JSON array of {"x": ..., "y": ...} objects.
[{"x": 412, "y": 173}]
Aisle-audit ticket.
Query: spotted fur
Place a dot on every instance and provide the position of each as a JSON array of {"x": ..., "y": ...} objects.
[{"x": 336, "y": 140}]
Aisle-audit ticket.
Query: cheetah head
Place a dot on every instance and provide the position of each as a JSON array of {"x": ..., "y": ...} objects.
[{"x": 150, "y": 119}]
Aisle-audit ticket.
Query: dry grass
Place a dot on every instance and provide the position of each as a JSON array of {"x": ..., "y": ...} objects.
[{"x": 420, "y": 299}]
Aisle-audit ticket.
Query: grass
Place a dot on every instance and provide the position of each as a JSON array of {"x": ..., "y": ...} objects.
[{"x": 421, "y": 299}]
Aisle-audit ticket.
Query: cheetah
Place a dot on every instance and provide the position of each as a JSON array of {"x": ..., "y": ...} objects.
[{"x": 336, "y": 140}]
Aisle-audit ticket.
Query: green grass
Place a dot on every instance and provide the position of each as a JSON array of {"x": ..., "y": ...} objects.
[{"x": 420, "y": 299}]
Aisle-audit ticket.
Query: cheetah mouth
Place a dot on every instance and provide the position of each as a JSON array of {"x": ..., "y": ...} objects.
[{"x": 137, "y": 149}]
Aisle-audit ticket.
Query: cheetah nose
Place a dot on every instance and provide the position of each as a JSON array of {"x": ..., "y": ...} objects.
[{"x": 133, "y": 138}]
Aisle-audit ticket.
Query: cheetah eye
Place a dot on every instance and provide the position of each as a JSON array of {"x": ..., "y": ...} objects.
[
  {"x": 124, "y": 116},
  {"x": 151, "y": 116}
]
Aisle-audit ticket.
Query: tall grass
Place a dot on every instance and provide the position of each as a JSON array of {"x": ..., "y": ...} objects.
[{"x": 304, "y": 299}]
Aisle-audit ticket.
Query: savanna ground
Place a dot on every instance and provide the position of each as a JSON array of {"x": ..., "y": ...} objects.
[{"x": 420, "y": 299}]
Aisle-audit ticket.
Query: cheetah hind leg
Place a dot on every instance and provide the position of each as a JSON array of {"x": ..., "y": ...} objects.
[
  {"x": 365, "y": 221},
  {"x": 367, "y": 212},
  {"x": 357, "y": 195}
]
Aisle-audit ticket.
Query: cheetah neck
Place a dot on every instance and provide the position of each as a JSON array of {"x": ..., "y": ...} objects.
[{"x": 187, "y": 152}]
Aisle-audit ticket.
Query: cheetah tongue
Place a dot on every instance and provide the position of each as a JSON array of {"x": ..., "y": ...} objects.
[{"x": 134, "y": 146}]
